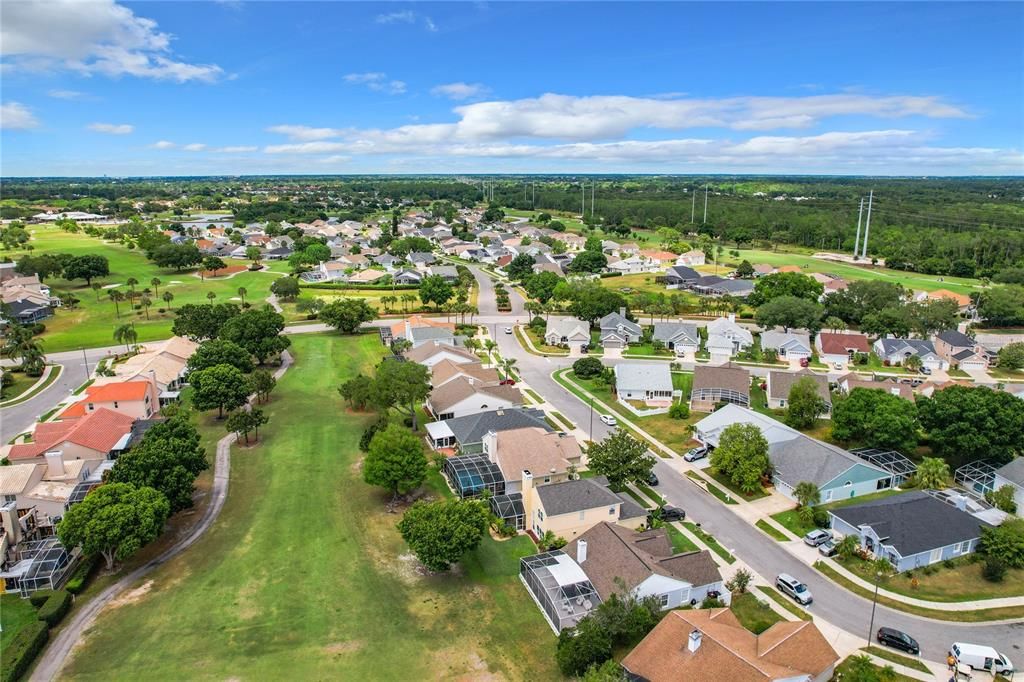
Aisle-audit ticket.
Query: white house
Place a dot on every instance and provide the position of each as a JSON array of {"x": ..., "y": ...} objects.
[
  {"x": 793, "y": 345},
  {"x": 897, "y": 351},
  {"x": 680, "y": 337},
  {"x": 649, "y": 382},
  {"x": 726, "y": 338},
  {"x": 465, "y": 395},
  {"x": 569, "y": 331}
]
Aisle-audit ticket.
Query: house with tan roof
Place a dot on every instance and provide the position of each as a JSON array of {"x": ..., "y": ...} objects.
[
  {"x": 546, "y": 456},
  {"x": 848, "y": 382},
  {"x": 139, "y": 399},
  {"x": 43, "y": 487},
  {"x": 712, "y": 385},
  {"x": 92, "y": 438},
  {"x": 691, "y": 258},
  {"x": 839, "y": 348},
  {"x": 605, "y": 560},
  {"x": 779, "y": 384},
  {"x": 367, "y": 276},
  {"x": 446, "y": 370},
  {"x": 432, "y": 352},
  {"x": 962, "y": 302},
  {"x": 712, "y": 645},
  {"x": 166, "y": 362},
  {"x": 464, "y": 395}
]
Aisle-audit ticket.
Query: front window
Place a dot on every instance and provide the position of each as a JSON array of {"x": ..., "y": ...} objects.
[{"x": 664, "y": 600}]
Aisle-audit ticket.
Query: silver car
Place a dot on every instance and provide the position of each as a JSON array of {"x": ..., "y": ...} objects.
[{"x": 817, "y": 537}]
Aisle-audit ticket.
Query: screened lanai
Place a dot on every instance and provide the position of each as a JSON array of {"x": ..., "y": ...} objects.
[
  {"x": 560, "y": 587},
  {"x": 42, "y": 565},
  {"x": 509, "y": 508},
  {"x": 472, "y": 474},
  {"x": 892, "y": 461}
]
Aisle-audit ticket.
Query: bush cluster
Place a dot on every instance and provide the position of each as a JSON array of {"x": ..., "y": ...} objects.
[
  {"x": 55, "y": 608},
  {"x": 23, "y": 649}
]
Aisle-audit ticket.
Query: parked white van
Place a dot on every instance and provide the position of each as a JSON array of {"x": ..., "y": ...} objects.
[{"x": 979, "y": 657}]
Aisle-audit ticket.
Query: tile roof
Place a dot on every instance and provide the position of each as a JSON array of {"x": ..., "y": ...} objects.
[
  {"x": 98, "y": 431},
  {"x": 127, "y": 391},
  {"x": 616, "y": 553},
  {"x": 836, "y": 343},
  {"x": 913, "y": 522},
  {"x": 728, "y": 652}
]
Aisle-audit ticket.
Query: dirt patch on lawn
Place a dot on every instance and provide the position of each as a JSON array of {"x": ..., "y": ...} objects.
[
  {"x": 464, "y": 664},
  {"x": 341, "y": 648},
  {"x": 131, "y": 596}
]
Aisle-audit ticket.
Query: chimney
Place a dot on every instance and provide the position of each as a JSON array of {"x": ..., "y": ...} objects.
[
  {"x": 961, "y": 502},
  {"x": 622, "y": 311},
  {"x": 54, "y": 464},
  {"x": 581, "y": 551},
  {"x": 693, "y": 643}
]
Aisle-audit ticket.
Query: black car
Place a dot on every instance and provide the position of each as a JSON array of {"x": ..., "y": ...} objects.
[
  {"x": 652, "y": 478},
  {"x": 670, "y": 513},
  {"x": 898, "y": 640}
]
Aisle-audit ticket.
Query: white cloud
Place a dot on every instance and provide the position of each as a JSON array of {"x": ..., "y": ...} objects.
[
  {"x": 459, "y": 90},
  {"x": 163, "y": 144},
  {"x": 295, "y": 132},
  {"x": 66, "y": 94},
  {"x": 376, "y": 81},
  {"x": 98, "y": 36},
  {"x": 236, "y": 149},
  {"x": 112, "y": 128},
  {"x": 194, "y": 147},
  {"x": 429, "y": 24},
  {"x": 406, "y": 17},
  {"x": 16, "y": 116}
]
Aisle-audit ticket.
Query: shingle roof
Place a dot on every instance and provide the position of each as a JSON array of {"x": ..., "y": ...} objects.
[
  {"x": 780, "y": 383},
  {"x": 614, "y": 552},
  {"x": 446, "y": 369},
  {"x": 614, "y": 320},
  {"x": 728, "y": 652},
  {"x": 776, "y": 339},
  {"x": 1014, "y": 471},
  {"x": 432, "y": 348},
  {"x": 835, "y": 343},
  {"x": 676, "y": 332},
  {"x": 568, "y": 497},
  {"x": 460, "y": 388},
  {"x": 912, "y": 346},
  {"x": 913, "y": 522},
  {"x": 535, "y": 450},
  {"x": 643, "y": 376},
  {"x": 473, "y": 427},
  {"x": 956, "y": 338},
  {"x": 728, "y": 376},
  {"x": 684, "y": 273}
]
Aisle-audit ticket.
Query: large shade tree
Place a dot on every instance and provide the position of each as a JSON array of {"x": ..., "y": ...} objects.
[{"x": 440, "y": 533}]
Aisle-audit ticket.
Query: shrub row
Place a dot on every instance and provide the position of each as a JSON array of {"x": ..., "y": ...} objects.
[
  {"x": 23, "y": 649},
  {"x": 76, "y": 583},
  {"x": 39, "y": 597},
  {"x": 55, "y": 608}
]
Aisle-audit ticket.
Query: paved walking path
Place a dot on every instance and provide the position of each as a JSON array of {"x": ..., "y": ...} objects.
[{"x": 56, "y": 654}]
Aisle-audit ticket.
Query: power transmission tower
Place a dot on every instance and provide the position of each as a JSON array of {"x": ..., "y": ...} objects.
[{"x": 867, "y": 226}]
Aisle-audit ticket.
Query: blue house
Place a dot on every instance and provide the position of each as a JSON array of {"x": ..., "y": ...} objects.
[{"x": 911, "y": 530}]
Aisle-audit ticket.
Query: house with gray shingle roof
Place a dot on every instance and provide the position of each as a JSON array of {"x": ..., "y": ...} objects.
[
  {"x": 794, "y": 344},
  {"x": 618, "y": 331},
  {"x": 897, "y": 351},
  {"x": 570, "y": 508},
  {"x": 779, "y": 384},
  {"x": 680, "y": 337}
]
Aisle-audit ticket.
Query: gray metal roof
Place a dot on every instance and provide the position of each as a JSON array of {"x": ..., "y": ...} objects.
[
  {"x": 913, "y": 522},
  {"x": 568, "y": 497}
]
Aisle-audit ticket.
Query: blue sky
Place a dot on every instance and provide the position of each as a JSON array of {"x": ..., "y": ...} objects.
[{"x": 98, "y": 87}]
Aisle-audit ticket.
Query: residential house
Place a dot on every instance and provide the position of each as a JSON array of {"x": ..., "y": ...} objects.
[
  {"x": 792, "y": 346},
  {"x": 354, "y": 261},
  {"x": 166, "y": 362},
  {"x": 719, "y": 384},
  {"x": 848, "y": 382},
  {"x": 46, "y": 488},
  {"x": 421, "y": 259},
  {"x": 645, "y": 564},
  {"x": 627, "y": 249},
  {"x": 28, "y": 299},
  {"x": 680, "y": 276},
  {"x": 407, "y": 328},
  {"x": 617, "y": 331},
  {"x": 367, "y": 277},
  {"x": 407, "y": 277},
  {"x": 446, "y": 370},
  {"x": 548, "y": 266},
  {"x": 567, "y": 331},
  {"x": 93, "y": 437},
  {"x": 466, "y": 434},
  {"x": 448, "y": 272},
  {"x": 726, "y": 338},
  {"x": 796, "y": 458},
  {"x": 681, "y": 338},
  {"x": 712, "y": 645},
  {"x": 910, "y": 530},
  {"x": 779, "y": 385},
  {"x": 762, "y": 269},
  {"x": 717, "y": 286},
  {"x": 960, "y": 351},
  {"x": 386, "y": 261},
  {"x": 963, "y": 303},
  {"x": 139, "y": 399},
  {"x": 897, "y": 351},
  {"x": 573, "y": 242},
  {"x": 632, "y": 265},
  {"x": 431, "y": 352},
  {"x": 839, "y": 348},
  {"x": 464, "y": 394},
  {"x": 1012, "y": 474},
  {"x": 647, "y": 382},
  {"x": 691, "y": 258},
  {"x": 569, "y": 508},
  {"x": 533, "y": 453},
  {"x": 661, "y": 259}
]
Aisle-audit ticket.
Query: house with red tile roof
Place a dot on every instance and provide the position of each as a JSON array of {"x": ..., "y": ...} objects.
[
  {"x": 838, "y": 348},
  {"x": 139, "y": 399},
  {"x": 91, "y": 437}
]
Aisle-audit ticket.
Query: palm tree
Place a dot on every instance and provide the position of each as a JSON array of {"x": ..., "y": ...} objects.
[
  {"x": 145, "y": 302},
  {"x": 846, "y": 547},
  {"x": 807, "y": 494},
  {"x": 131, "y": 281},
  {"x": 127, "y": 335},
  {"x": 116, "y": 296},
  {"x": 210, "y": 296},
  {"x": 155, "y": 282},
  {"x": 168, "y": 297},
  {"x": 96, "y": 288},
  {"x": 913, "y": 363},
  {"x": 507, "y": 364},
  {"x": 242, "y": 291},
  {"x": 932, "y": 472}
]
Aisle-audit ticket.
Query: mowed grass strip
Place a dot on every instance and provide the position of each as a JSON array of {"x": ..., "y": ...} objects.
[{"x": 304, "y": 575}]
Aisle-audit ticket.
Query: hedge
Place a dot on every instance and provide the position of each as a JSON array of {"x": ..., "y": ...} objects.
[
  {"x": 606, "y": 275},
  {"x": 39, "y": 597},
  {"x": 23, "y": 649},
  {"x": 81, "y": 575},
  {"x": 55, "y": 607}
]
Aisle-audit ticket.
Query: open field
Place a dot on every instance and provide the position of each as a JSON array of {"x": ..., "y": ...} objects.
[
  {"x": 304, "y": 576},
  {"x": 93, "y": 322}
]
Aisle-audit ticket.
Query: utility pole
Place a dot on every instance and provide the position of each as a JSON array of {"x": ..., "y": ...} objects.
[
  {"x": 693, "y": 208},
  {"x": 705, "y": 204},
  {"x": 867, "y": 226},
  {"x": 592, "y": 186},
  {"x": 856, "y": 244},
  {"x": 583, "y": 205},
  {"x": 533, "y": 201}
]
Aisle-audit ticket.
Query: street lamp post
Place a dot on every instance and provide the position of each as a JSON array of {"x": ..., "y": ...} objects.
[
  {"x": 591, "y": 432},
  {"x": 874, "y": 603}
]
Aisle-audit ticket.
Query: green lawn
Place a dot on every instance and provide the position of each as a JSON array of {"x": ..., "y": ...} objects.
[
  {"x": 710, "y": 541},
  {"x": 20, "y": 382},
  {"x": 963, "y": 581},
  {"x": 15, "y": 613},
  {"x": 680, "y": 543},
  {"x": 784, "y": 602},
  {"x": 753, "y": 614},
  {"x": 770, "y": 531},
  {"x": 888, "y": 655},
  {"x": 843, "y": 672},
  {"x": 790, "y": 520},
  {"x": 93, "y": 322},
  {"x": 304, "y": 575}
]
